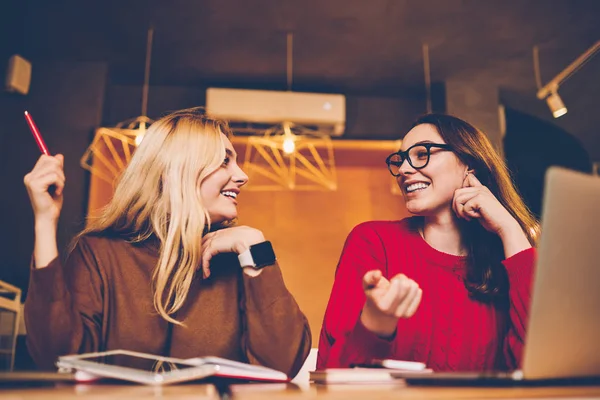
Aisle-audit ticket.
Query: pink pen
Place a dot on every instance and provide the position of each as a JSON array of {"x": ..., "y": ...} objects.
[{"x": 36, "y": 134}]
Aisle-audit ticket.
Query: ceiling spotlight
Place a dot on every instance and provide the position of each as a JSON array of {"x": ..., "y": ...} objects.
[
  {"x": 556, "y": 105},
  {"x": 550, "y": 90}
]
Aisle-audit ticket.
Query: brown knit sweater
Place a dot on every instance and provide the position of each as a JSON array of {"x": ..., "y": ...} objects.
[{"x": 101, "y": 299}]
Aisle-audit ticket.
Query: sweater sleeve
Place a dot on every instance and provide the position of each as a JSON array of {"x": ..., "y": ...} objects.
[
  {"x": 344, "y": 340},
  {"x": 520, "y": 268},
  {"x": 63, "y": 309},
  {"x": 276, "y": 333}
]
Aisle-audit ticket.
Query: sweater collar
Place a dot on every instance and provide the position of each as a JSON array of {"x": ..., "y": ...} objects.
[{"x": 431, "y": 254}]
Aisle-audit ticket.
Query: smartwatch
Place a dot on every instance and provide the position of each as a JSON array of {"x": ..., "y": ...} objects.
[{"x": 258, "y": 256}]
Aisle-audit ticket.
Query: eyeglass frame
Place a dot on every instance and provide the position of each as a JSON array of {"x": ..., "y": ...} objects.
[{"x": 405, "y": 157}]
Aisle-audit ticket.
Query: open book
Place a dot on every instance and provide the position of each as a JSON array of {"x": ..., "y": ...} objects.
[{"x": 156, "y": 370}]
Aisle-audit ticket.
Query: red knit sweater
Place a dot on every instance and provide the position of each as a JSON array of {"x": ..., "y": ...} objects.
[{"x": 449, "y": 332}]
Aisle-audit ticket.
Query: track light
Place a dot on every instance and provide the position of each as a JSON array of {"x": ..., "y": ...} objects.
[
  {"x": 556, "y": 105},
  {"x": 550, "y": 90}
]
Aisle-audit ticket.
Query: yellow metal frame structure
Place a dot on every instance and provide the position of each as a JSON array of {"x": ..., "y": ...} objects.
[
  {"x": 111, "y": 149},
  {"x": 310, "y": 165}
]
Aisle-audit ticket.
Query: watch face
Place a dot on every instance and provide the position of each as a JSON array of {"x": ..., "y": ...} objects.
[{"x": 263, "y": 254}]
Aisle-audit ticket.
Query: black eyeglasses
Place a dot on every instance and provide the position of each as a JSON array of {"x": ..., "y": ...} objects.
[{"x": 417, "y": 156}]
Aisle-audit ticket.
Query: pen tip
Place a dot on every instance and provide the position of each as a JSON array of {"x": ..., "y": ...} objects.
[{"x": 26, "y": 113}]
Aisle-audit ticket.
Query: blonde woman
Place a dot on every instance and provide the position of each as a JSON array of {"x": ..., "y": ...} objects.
[{"x": 154, "y": 273}]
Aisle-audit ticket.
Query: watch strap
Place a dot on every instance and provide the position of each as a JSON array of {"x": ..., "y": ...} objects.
[
  {"x": 258, "y": 256},
  {"x": 246, "y": 259}
]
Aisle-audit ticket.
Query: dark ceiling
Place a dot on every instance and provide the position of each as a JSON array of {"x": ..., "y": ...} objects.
[
  {"x": 350, "y": 45},
  {"x": 366, "y": 47}
]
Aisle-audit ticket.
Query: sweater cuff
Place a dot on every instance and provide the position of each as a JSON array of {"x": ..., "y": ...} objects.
[
  {"x": 367, "y": 345},
  {"x": 47, "y": 284},
  {"x": 520, "y": 266},
  {"x": 264, "y": 289}
]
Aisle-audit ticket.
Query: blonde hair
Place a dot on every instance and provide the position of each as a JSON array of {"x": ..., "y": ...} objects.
[{"x": 158, "y": 195}]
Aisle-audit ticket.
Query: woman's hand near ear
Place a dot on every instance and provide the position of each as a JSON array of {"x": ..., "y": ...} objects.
[{"x": 476, "y": 201}]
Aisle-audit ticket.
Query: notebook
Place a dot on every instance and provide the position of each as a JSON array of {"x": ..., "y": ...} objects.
[{"x": 157, "y": 370}]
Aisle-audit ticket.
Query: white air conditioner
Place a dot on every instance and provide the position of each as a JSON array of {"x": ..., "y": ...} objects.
[{"x": 255, "y": 108}]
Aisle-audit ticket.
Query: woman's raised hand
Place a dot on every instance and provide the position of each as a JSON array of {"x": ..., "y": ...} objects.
[
  {"x": 229, "y": 240},
  {"x": 476, "y": 201},
  {"x": 387, "y": 301},
  {"x": 45, "y": 184}
]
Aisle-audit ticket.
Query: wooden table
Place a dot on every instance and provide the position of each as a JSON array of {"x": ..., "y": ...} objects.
[{"x": 283, "y": 391}]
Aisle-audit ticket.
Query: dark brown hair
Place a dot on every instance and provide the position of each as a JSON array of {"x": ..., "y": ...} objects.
[{"x": 486, "y": 277}]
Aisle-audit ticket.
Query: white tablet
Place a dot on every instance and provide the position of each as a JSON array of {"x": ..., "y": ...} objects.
[{"x": 137, "y": 367}]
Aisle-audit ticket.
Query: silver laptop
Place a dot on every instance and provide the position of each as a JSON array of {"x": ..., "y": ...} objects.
[{"x": 563, "y": 335}]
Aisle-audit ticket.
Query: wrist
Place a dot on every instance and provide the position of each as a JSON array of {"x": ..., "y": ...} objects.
[
  {"x": 244, "y": 244},
  {"x": 241, "y": 247},
  {"x": 45, "y": 225},
  {"x": 511, "y": 231},
  {"x": 514, "y": 240},
  {"x": 380, "y": 324},
  {"x": 252, "y": 272}
]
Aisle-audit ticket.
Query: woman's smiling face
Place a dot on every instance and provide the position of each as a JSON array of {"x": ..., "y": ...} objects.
[
  {"x": 220, "y": 189},
  {"x": 429, "y": 190}
]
